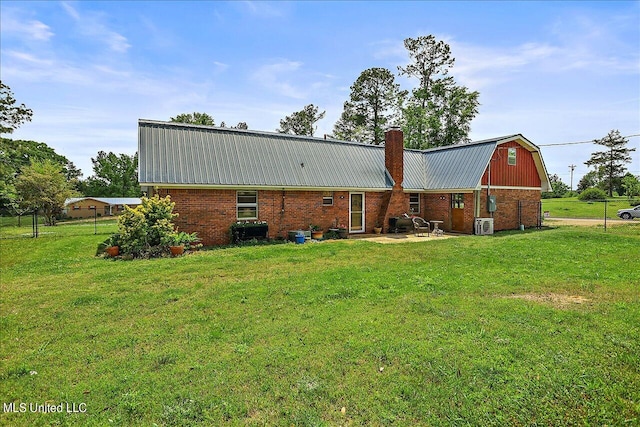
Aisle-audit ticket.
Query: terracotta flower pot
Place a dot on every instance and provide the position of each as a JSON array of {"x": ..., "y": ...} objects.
[
  {"x": 377, "y": 230},
  {"x": 113, "y": 251},
  {"x": 176, "y": 250},
  {"x": 317, "y": 235}
]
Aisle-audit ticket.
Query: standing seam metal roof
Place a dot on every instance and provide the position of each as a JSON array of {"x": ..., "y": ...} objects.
[
  {"x": 183, "y": 154},
  {"x": 196, "y": 155}
]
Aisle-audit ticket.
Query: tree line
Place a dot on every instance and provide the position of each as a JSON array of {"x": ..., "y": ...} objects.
[
  {"x": 34, "y": 177},
  {"x": 609, "y": 174},
  {"x": 436, "y": 112}
]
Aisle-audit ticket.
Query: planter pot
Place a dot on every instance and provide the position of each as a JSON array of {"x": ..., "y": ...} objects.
[
  {"x": 317, "y": 235},
  {"x": 113, "y": 251},
  {"x": 342, "y": 233},
  {"x": 377, "y": 230},
  {"x": 176, "y": 250}
]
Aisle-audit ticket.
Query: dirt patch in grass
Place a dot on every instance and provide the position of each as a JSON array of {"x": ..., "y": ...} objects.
[{"x": 553, "y": 299}]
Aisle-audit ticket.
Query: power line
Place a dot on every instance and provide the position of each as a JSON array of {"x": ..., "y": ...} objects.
[{"x": 581, "y": 142}]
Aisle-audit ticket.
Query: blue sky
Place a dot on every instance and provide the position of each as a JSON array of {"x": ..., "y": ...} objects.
[{"x": 554, "y": 71}]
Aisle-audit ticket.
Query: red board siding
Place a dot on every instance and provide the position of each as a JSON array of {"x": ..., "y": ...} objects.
[{"x": 523, "y": 174}]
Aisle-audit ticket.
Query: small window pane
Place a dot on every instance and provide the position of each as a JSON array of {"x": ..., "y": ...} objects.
[
  {"x": 512, "y": 156},
  {"x": 327, "y": 198},
  {"x": 247, "y": 212},
  {"x": 247, "y": 197},
  {"x": 414, "y": 203},
  {"x": 457, "y": 201}
]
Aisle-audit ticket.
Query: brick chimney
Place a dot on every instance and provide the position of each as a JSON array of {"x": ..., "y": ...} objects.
[
  {"x": 394, "y": 154},
  {"x": 394, "y": 202}
]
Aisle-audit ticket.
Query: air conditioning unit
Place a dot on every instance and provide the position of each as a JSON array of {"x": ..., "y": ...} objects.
[{"x": 484, "y": 226}]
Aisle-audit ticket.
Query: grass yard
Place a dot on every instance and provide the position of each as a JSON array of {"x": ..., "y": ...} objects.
[
  {"x": 520, "y": 328},
  {"x": 571, "y": 207}
]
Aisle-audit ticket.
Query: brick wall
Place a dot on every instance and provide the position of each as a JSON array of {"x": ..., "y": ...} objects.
[
  {"x": 438, "y": 207},
  {"x": 506, "y": 215},
  {"x": 210, "y": 213}
]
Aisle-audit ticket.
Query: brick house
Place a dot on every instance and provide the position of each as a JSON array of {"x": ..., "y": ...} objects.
[
  {"x": 87, "y": 207},
  {"x": 218, "y": 176}
]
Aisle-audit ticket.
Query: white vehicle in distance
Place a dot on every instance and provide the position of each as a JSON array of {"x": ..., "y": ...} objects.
[{"x": 629, "y": 213}]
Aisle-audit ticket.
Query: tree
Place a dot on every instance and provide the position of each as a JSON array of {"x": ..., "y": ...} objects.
[
  {"x": 588, "y": 180},
  {"x": 439, "y": 112},
  {"x": 612, "y": 161},
  {"x": 631, "y": 185},
  {"x": 194, "y": 119},
  {"x": 559, "y": 188},
  {"x": 374, "y": 105},
  {"x": 114, "y": 175},
  {"x": 44, "y": 187},
  {"x": 301, "y": 122},
  {"x": 15, "y": 155},
  {"x": 11, "y": 115}
]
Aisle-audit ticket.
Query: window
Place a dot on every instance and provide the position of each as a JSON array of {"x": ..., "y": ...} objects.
[
  {"x": 327, "y": 198},
  {"x": 247, "y": 204},
  {"x": 511, "y": 159},
  {"x": 457, "y": 201},
  {"x": 76, "y": 207},
  {"x": 414, "y": 203}
]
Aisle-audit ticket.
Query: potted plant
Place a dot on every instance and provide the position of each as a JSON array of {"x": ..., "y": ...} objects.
[
  {"x": 177, "y": 242},
  {"x": 316, "y": 231},
  {"x": 342, "y": 231},
  {"x": 113, "y": 245},
  {"x": 377, "y": 229}
]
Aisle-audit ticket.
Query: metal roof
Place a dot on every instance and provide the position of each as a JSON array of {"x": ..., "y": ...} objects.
[
  {"x": 457, "y": 166},
  {"x": 177, "y": 154},
  {"x": 107, "y": 200}
]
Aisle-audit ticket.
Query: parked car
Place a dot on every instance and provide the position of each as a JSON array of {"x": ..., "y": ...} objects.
[{"x": 629, "y": 213}]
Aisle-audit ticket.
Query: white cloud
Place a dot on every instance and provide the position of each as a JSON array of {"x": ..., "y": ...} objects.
[
  {"x": 264, "y": 9},
  {"x": 30, "y": 29},
  {"x": 91, "y": 25},
  {"x": 276, "y": 78}
]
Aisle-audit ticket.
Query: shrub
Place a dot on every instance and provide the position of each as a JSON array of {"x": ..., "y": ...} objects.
[
  {"x": 147, "y": 230},
  {"x": 592, "y": 194}
]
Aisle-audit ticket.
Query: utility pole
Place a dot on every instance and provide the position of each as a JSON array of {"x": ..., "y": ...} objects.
[{"x": 572, "y": 167}]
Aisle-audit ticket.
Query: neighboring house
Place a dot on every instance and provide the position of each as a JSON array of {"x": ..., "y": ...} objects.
[
  {"x": 217, "y": 176},
  {"x": 88, "y": 207}
]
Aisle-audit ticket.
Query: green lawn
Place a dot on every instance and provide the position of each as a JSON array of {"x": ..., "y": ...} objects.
[
  {"x": 571, "y": 207},
  {"x": 520, "y": 328}
]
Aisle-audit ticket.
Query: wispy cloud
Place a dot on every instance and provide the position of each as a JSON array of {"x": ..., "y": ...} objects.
[
  {"x": 264, "y": 9},
  {"x": 92, "y": 25},
  {"x": 31, "y": 29},
  {"x": 277, "y": 78}
]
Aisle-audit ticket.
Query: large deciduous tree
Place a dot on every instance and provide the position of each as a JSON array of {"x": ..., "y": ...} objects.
[
  {"x": 438, "y": 112},
  {"x": 17, "y": 154},
  {"x": 558, "y": 188},
  {"x": 44, "y": 186},
  {"x": 194, "y": 119},
  {"x": 302, "y": 122},
  {"x": 611, "y": 162},
  {"x": 374, "y": 105},
  {"x": 11, "y": 115},
  {"x": 114, "y": 175}
]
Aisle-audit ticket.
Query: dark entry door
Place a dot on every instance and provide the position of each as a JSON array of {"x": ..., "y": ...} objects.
[{"x": 457, "y": 212}]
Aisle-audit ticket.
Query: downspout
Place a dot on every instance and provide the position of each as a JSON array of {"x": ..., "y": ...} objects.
[{"x": 489, "y": 184}]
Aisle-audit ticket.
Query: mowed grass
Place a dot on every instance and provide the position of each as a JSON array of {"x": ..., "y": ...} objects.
[
  {"x": 571, "y": 207},
  {"x": 521, "y": 328}
]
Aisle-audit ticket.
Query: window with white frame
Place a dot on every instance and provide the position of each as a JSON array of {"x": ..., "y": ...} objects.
[
  {"x": 327, "y": 198},
  {"x": 414, "y": 203},
  {"x": 247, "y": 204},
  {"x": 511, "y": 159}
]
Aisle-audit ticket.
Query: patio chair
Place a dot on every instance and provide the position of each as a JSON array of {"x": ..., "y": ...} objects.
[{"x": 420, "y": 226}]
